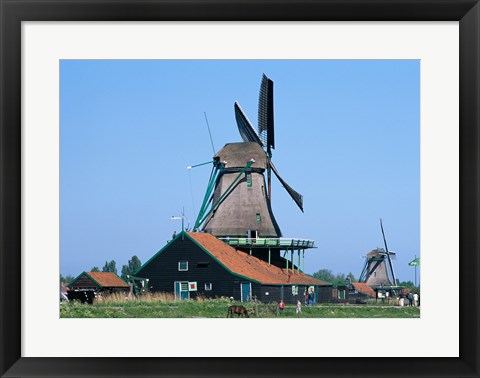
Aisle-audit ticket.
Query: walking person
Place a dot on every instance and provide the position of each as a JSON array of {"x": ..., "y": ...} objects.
[{"x": 298, "y": 309}]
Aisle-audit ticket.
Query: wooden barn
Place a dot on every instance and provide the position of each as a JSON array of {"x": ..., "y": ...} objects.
[
  {"x": 196, "y": 263},
  {"x": 87, "y": 284}
]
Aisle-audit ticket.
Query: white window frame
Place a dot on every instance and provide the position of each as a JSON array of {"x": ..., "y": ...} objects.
[
  {"x": 182, "y": 270},
  {"x": 209, "y": 288}
]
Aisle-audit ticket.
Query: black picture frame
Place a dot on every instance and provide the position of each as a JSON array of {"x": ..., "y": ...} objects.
[{"x": 13, "y": 12}]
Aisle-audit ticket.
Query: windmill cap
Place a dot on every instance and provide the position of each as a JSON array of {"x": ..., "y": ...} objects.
[{"x": 237, "y": 155}]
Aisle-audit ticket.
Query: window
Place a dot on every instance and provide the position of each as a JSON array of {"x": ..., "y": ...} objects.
[
  {"x": 249, "y": 180},
  {"x": 183, "y": 265},
  {"x": 208, "y": 286},
  {"x": 203, "y": 264},
  {"x": 259, "y": 218}
]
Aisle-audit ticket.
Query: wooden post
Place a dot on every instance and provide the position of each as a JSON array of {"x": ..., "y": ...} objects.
[
  {"x": 291, "y": 257},
  {"x": 298, "y": 267},
  {"x": 303, "y": 261}
]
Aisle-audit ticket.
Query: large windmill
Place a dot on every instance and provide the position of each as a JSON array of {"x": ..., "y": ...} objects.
[
  {"x": 238, "y": 199},
  {"x": 378, "y": 268},
  {"x": 237, "y": 204}
]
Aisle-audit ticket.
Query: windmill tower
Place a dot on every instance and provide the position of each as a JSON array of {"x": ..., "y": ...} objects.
[
  {"x": 378, "y": 268},
  {"x": 243, "y": 207},
  {"x": 237, "y": 204}
]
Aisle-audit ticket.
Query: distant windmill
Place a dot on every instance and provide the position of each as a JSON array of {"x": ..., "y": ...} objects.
[
  {"x": 378, "y": 267},
  {"x": 238, "y": 200}
]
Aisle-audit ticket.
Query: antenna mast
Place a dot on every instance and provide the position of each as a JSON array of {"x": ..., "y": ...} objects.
[{"x": 209, "y": 133}]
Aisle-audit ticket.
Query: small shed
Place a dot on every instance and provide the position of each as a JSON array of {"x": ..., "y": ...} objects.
[
  {"x": 87, "y": 284},
  {"x": 360, "y": 292}
]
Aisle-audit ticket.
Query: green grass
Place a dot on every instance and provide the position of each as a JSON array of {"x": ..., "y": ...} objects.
[{"x": 217, "y": 308}]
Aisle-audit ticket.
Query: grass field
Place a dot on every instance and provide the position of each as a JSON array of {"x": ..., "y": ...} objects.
[{"x": 165, "y": 307}]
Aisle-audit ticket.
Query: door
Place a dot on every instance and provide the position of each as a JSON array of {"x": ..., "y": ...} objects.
[
  {"x": 181, "y": 290},
  {"x": 246, "y": 289}
]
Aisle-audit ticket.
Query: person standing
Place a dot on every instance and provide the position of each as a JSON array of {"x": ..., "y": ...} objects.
[
  {"x": 281, "y": 305},
  {"x": 410, "y": 299},
  {"x": 415, "y": 300}
]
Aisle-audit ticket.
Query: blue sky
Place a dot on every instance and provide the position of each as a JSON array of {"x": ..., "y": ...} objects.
[{"x": 346, "y": 136}]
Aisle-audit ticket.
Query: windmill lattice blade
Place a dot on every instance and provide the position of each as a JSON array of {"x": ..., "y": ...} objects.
[
  {"x": 265, "y": 113},
  {"x": 245, "y": 128},
  {"x": 388, "y": 254},
  {"x": 297, "y": 197},
  {"x": 383, "y": 233}
]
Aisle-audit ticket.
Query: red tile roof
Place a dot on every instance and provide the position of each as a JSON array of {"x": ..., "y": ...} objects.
[
  {"x": 107, "y": 279},
  {"x": 364, "y": 288},
  {"x": 243, "y": 264}
]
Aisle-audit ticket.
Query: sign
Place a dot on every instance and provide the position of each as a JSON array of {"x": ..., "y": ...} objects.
[{"x": 192, "y": 286}]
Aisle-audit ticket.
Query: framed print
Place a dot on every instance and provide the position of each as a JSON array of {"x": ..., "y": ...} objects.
[{"x": 42, "y": 41}]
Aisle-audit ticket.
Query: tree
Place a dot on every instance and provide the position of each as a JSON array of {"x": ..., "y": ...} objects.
[
  {"x": 407, "y": 284},
  {"x": 324, "y": 275},
  {"x": 336, "y": 279},
  {"x": 125, "y": 272},
  {"x": 67, "y": 279},
  {"x": 133, "y": 265},
  {"x": 352, "y": 277},
  {"x": 95, "y": 269},
  {"x": 110, "y": 267},
  {"x": 339, "y": 279}
]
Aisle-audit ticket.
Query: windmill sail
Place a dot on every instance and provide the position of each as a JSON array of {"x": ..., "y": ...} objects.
[
  {"x": 388, "y": 254},
  {"x": 245, "y": 128},
  {"x": 265, "y": 113},
  {"x": 297, "y": 197},
  {"x": 265, "y": 135}
]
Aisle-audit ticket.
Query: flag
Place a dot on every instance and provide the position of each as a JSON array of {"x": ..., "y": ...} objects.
[{"x": 415, "y": 262}]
